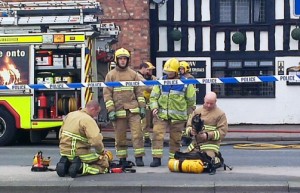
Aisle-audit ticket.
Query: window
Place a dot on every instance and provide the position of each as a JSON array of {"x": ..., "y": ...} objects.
[
  {"x": 242, "y": 11},
  {"x": 241, "y": 69}
]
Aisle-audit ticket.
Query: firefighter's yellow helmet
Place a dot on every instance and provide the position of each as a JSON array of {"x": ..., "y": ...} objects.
[
  {"x": 122, "y": 52},
  {"x": 109, "y": 155},
  {"x": 172, "y": 65},
  {"x": 185, "y": 65},
  {"x": 150, "y": 65}
]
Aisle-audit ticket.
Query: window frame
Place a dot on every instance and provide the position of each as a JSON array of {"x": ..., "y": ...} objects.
[
  {"x": 243, "y": 88},
  {"x": 233, "y": 13}
]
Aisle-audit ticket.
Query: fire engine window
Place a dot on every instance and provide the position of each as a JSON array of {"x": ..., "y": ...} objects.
[{"x": 247, "y": 89}]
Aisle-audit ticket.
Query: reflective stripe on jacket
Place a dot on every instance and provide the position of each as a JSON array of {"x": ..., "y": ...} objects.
[
  {"x": 120, "y": 99},
  {"x": 173, "y": 101},
  {"x": 78, "y": 134},
  {"x": 215, "y": 123}
]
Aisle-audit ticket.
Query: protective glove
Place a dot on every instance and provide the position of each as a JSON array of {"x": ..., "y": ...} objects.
[
  {"x": 142, "y": 112},
  {"x": 202, "y": 137},
  {"x": 112, "y": 116}
]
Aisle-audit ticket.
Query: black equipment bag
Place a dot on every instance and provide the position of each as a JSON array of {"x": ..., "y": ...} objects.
[
  {"x": 210, "y": 164},
  {"x": 125, "y": 166}
]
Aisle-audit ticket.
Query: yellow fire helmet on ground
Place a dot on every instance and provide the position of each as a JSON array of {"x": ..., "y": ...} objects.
[{"x": 109, "y": 155}]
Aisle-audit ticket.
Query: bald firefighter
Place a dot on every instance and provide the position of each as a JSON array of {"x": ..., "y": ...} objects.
[
  {"x": 170, "y": 105},
  {"x": 145, "y": 73},
  {"x": 214, "y": 131},
  {"x": 126, "y": 108},
  {"x": 77, "y": 135}
]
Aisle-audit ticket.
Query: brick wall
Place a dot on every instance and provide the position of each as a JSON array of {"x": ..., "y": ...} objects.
[{"x": 133, "y": 18}]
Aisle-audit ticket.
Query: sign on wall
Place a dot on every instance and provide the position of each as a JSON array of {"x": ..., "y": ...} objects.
[
  {"x": 198, "y": 70},
  {"x": 297, "y": 7},
  {"x": 14, "y": 65}
]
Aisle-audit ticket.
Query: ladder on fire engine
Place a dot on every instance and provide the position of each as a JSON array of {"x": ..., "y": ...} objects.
[
  {"x": 49, "y": 12},
  {"x": 53, "y": 16}
]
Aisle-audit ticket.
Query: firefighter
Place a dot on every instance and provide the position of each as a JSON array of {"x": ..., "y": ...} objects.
[
  {"x": 126, "y": 108},
  {"x": 215, "y": 128},
  {"x": 170, "y": 105},
  {"x": 185, "y": 70},
  {"x": 145, "y": 72},
  {"x": 77, "y": 135}
]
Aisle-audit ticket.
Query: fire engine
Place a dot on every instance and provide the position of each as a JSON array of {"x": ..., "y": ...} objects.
[{"x": 49, "y": 44}]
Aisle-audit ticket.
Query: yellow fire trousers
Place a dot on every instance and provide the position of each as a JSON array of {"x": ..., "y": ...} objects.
[
  {"x": 133, "y": 121},
  {"x": 147, "y": 123},
  {"x": 159, "y": 129},
  {"x": 93, "y": 163}
]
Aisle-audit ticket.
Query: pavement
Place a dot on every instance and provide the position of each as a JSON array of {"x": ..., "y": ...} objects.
[{"x": 239, "y": 180}]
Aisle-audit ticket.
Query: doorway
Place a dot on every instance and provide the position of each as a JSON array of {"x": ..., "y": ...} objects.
[{"x": 198, "y": 70}]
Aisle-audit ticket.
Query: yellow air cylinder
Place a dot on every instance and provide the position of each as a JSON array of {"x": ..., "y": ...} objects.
[
  {"x": 186, "y": 166},
  {"x": 173, "y": 165}
]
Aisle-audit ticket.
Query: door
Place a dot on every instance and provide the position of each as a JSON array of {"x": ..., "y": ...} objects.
[{"x": 198, "y": 70}]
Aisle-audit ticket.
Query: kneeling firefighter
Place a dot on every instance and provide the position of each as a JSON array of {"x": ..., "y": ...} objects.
[
  {"x": 78, "y": 134},
  {"x": 208, "y": 125}
]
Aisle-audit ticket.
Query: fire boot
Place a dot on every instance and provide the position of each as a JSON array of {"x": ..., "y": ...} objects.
[
  {"x": 76, "y": 167},
  {"x": 147, "y": 142},
  {"x": 156, "y": 162},
  {"x": 139, "y": 161},
  {"x": 62, "y": 166},
  {"x": 122, "y": 161}
]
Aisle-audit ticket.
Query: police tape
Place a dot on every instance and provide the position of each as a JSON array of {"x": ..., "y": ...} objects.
[{"x": 224, "y": 80}]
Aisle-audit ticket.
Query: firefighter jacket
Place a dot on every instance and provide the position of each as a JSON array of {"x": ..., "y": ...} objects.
[
  {"x": 215, "y": 124},
  {"x": 173, "y": 101},
  {"x": 78, "y": 134},
  {"x": 148, "y": 89},
  {"x": 120, "y": 99}
]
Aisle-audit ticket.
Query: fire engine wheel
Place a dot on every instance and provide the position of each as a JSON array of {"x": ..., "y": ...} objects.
[{"x": 7, "y": 128}]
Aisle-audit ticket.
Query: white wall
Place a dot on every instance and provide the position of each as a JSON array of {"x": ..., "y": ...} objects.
[
  {"x": 283, "y": 109},
  {"x": 279, "y": 7}
]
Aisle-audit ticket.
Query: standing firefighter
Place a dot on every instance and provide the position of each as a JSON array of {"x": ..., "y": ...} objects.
[
  {"x": 145, "y": 73},
  {"x": 126, "y": 107},
  {"x": 170, "y": 105},
  {"x": 185, "y": 70},
  {"x": 77, "y": 135}
]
